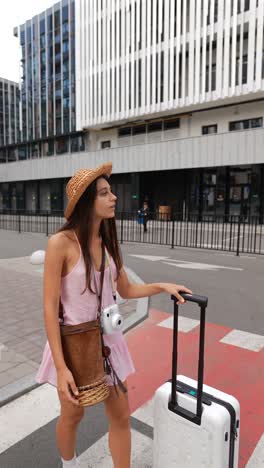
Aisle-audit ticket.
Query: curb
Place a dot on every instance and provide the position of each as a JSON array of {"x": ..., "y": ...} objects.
[
  {"x": 18, "y": 388},
  {"x": 142, "y": 310},
  {"x": 27, "y": 383}
]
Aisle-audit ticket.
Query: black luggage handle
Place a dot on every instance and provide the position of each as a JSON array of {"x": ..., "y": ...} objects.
[{"x": 202, "y": 301}]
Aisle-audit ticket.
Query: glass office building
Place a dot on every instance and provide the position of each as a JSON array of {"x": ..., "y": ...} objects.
[
  {"x": 9, "y": 115},
  {"x": 48, "y": 81},
  {"x": 48, "y": 72}
]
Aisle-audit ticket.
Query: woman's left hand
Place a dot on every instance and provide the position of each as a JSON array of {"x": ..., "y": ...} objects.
[{"x": 174, "y": 289}]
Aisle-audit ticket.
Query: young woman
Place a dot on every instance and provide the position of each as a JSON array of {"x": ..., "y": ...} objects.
[{"x": 72, "y": 265}]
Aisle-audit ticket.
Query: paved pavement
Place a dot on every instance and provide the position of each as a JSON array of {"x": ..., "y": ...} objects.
[
  {"x": 22, "y": 331},
  {"x": 234, "y": 355}
]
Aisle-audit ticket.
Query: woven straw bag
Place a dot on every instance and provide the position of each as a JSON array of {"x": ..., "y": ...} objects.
[{"x": 83, "y": 349}]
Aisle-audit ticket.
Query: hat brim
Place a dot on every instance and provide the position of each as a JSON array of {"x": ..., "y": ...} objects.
[{"x": 105, "y": 169}]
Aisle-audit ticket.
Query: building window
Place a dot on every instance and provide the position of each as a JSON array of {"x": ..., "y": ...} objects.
[
  {"x": 155, "y": 127},
  {"x": 139, "y": 129},
  {"x": 2, "y": 155},
  {"x": 57, "y": 19},
  {"x": 65, "y": 14},
  {"x": 22, "y": 153},
  {"x": 124, "y": 131},
  {"x": 48, "y": 148},
  {"x": 213, "y": 78},
  {"x": 208, "y": 129},
  {"x": 81, "y": 143},
  {"x": 55, "y": 195},
  {"x": 245, "y": 124},
  {"x": 62, "y": 145},
  {"x": 77, "y": 143},
  {"x": 246, "y": 6},
  {"x": 241, "y": 79},
  {"x": 11, "y": 154},
  {"x": 35, "y": 150},
  {"x": 105, "y": 144},
  {"x": 171, "y": 124}
]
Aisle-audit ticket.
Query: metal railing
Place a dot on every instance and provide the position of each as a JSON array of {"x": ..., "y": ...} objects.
[{"x": 231, "y": 233}]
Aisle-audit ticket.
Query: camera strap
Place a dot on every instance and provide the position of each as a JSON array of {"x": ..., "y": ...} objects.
[
  {"x": 111, "y": 274},
  {"x": 108, "y": 367},
  {"x": 100, "y": 294}
]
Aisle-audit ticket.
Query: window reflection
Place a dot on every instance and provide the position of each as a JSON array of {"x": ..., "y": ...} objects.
[
  {"x": 48, "y": 148},
  {"x": 77, "y": 143},
  {"x": 62, "y": 145},
  {"x": 45, "y": 51}
]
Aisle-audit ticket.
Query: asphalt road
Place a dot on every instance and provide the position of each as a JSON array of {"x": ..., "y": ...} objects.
[{"x": 233, "y": 284}]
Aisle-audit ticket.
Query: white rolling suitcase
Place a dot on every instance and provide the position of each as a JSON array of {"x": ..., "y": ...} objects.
[{"x": 195, "y": 426}]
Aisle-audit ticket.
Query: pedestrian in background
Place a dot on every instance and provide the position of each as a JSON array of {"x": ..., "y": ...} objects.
[{"x": 144, "y": 214}]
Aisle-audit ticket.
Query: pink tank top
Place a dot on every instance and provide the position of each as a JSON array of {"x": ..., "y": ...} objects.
[{"x": 79, "y": 307}]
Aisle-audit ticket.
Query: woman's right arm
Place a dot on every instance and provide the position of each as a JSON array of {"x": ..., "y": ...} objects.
[{"x": 54, "y": 259}]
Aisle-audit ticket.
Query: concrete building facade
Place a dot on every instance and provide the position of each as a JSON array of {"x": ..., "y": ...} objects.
[{"x": 171, "y": 91}]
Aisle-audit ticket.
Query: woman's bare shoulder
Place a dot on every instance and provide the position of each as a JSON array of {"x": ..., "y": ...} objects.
[{"x": 60, "y": 240}]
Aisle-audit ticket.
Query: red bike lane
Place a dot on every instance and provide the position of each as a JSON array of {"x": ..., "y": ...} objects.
[{"x": 232, "y": 369}]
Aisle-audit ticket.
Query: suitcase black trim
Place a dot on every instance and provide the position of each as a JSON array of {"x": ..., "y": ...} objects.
[
  {"x": 173, "y": 404},
  {"x": 200, "y": 396},
  {"x": 233, "y": 426},
  {"x": 185, "y": 388}
]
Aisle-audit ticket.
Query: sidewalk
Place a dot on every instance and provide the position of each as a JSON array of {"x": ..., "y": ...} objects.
[{"x": 22, "y": 329}]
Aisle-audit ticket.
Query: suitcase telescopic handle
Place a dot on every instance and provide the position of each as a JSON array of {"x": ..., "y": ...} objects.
[{"x": 202, "y": 301}]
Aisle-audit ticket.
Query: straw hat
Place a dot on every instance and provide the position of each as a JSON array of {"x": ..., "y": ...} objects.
[{"x": 79, "y": 183}]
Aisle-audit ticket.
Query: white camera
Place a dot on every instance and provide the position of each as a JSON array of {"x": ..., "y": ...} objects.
[{"x": 111, "y": 320}]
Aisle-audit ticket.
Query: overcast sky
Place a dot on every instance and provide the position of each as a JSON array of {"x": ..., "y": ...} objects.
[{"x": 14, "y": 13}]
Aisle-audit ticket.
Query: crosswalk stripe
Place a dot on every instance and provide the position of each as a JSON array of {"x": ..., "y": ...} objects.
[
  {"x": 99, "y": 455},
  {"x": 185, "y": 324},
  {"x": 26, "y": 414},
  {"x": 37, "y": 408},
  {"x": 257, "y": 458},
  {"x": 29, "y": 415},
  {"x": 145, "y": 413},
  {"x": 246, "y": 340}
]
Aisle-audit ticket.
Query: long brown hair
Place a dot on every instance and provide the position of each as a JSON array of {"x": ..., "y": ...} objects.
[{"x": 81, "y": 218}]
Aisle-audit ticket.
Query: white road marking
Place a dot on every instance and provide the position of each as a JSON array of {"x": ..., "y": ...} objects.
[
  {"x": 242, "y": 339},
  {"x": 185, "y": 324},
  {"x": 151, "y": 258},
  {"x": 257, "y": 458},
  {"x": 184, "y": 263},
  {"x": 190, "y": 266},
  {"x": 26, "y": 414},
  {"x": 224, "y": 254},
  {"x": 232, "y": 255},
  {"x": 248, "y": 256},
  {"x": 145, "y": 413},
  {"x": 99, "y": 455},
  {"x": 200, "y": 266},
  {"x": 233, "y": 238}
]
